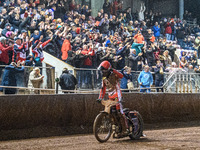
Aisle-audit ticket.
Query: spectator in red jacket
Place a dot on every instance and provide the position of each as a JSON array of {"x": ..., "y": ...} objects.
[
  {"x": 86, "y": 81},
  {"x": 37, "y": 51},
  {"x": 88, "y": 52},
  {"x": 66, "y": 47},
  {"x": 4, "y": 57},
  {"x": 19, "y": 53}
]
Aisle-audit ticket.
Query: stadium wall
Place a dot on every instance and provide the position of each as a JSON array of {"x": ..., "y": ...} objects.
[{"x": 28, "y": 111}]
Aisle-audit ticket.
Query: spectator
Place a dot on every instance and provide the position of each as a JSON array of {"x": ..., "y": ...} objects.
[
  {"x": 126, "y": 71},
  {"x": 4, "y": 49},
  {"x": 171, "y": 49},
  {"x": 197, "y": 45},
  {"x": 106, "y": 7},
  {"x": 168, "y": 31},
  {"x": 37, "y": 51},
  {"x": 139, "y": 37},
  {"x": 66, "y": 47},
  {"x": 29, "y": 61},
  {"x": 183, "y": 63},
  {"x": 159, "y": 75},
  {"x": 156, "y": 30},
  {"x": 141, "y": 12},
  {"x": 104, "y": 25},
  {"x": 133, "y": 60},
  {"x": 28, "y": 22},
  {"x": 150, "y": 55},
  {"x": 35, "y": 80},
  {"x": 145, "y": 80},
  {"x": 180, "y": 34},
  {"x": 87, "y": 64},
  {"x": 131, "y": 28},
  {"x": 19, "y": 53},
  {"x": 67, "y": 81},
  {"x": 6, "y": 29},
  {"x": 194, "y": 59},
  {"x": 167, "y": 59},
  {"x": 129, "y": 14},
  {"x": 9, "y": 77},
  {"x": 137, "y": 47}
]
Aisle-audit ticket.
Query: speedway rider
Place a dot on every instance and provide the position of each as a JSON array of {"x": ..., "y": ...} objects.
[{"x": 110, "y": 80}]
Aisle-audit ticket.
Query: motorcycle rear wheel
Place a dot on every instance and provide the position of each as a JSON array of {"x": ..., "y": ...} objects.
[
  {"x": 136, "y": 135},
  {"x": 102, "y": 127}
]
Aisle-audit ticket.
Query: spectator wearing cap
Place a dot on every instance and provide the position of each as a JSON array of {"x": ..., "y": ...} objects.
[
  {"x": 6, "y": 29},
  {"x": 35, "y": 80},
  {"x": 19, "y": 53}
]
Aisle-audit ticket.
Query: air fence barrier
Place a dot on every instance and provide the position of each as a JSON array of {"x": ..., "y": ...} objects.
[{"x": 26, "y": 116}]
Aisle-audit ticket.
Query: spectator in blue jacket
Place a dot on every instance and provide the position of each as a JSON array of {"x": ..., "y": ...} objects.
[
  {"x": 156, "y": 30},
  {"x": 145, "y": 80},
  {"x": 10, "y": 77}
]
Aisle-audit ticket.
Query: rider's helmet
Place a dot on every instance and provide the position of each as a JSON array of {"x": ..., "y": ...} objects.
[
  {"x": 105, "y": 65},
  {"x": 105, "y": 68}
]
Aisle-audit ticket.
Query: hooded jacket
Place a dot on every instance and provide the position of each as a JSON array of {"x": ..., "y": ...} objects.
[{"x": 67, "y": 81}]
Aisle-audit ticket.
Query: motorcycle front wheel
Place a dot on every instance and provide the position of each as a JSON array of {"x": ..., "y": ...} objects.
[{"x": 102, "y": 127}]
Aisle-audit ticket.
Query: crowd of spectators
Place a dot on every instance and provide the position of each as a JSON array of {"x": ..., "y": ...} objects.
[{"x": 67, "y": 30}]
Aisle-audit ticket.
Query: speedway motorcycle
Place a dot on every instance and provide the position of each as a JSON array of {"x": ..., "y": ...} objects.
[{"x": 110, "y": 122}]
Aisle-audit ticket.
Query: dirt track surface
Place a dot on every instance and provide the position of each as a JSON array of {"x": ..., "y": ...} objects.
[{"x": 168, "y": 139}]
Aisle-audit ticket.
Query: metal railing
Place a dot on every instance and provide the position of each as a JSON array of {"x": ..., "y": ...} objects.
[
  {"x": 180, "y": 81},
  {"x": 90, "y": 80}
]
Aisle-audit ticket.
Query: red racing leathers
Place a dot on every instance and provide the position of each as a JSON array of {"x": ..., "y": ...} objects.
[{"x": 111, "y": 82}]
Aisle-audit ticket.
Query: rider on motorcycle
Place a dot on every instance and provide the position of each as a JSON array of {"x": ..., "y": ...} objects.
[{"x": 110, "y": 81}]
